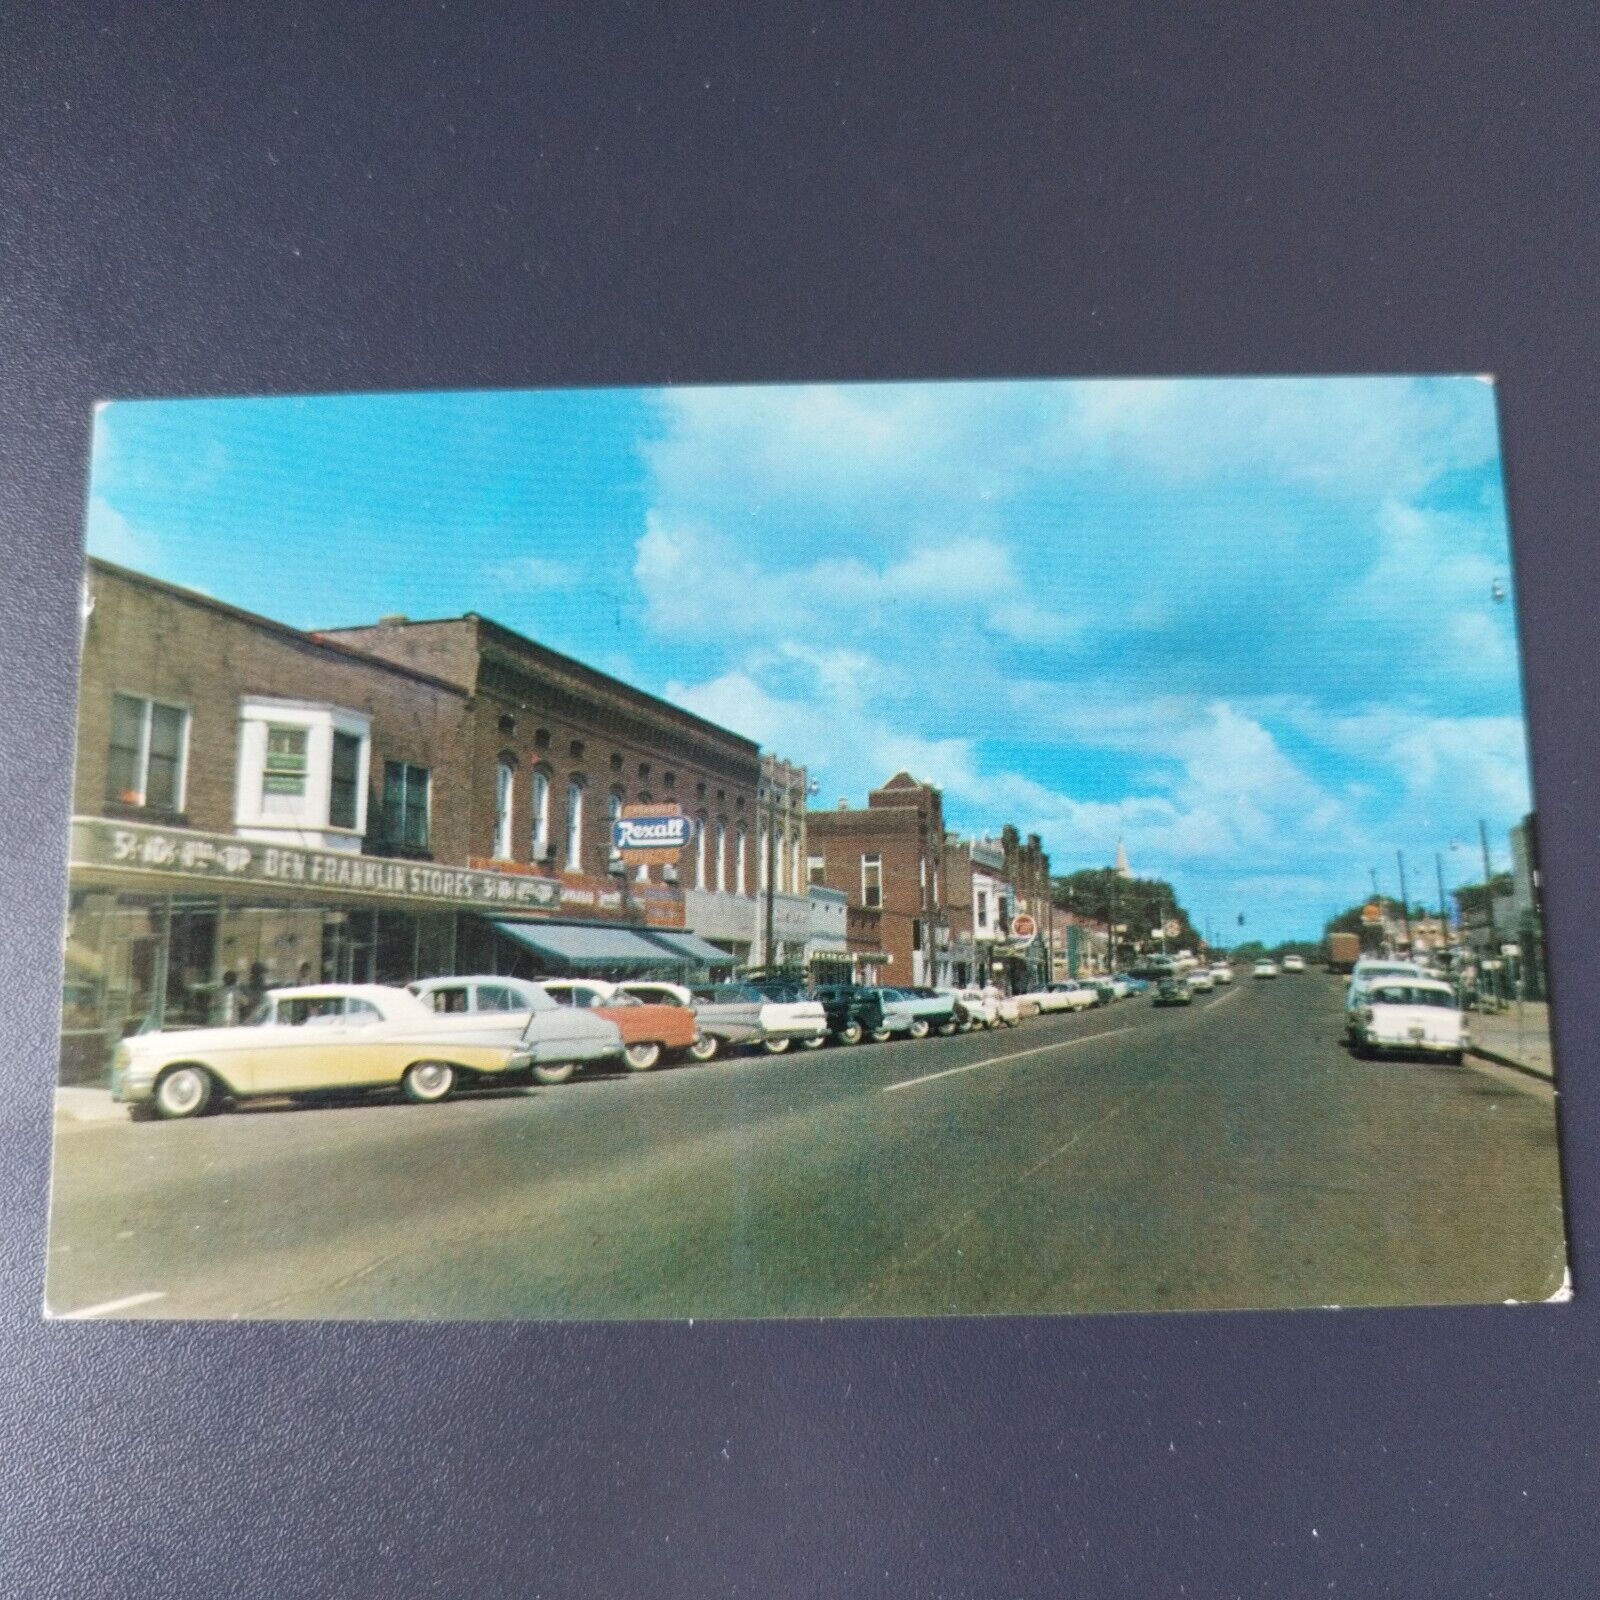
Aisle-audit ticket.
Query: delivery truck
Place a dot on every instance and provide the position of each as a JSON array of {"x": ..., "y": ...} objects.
[{"x": 1344, "y": 950}]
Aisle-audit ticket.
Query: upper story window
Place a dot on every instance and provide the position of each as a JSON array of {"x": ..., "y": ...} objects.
[
  {"x": 816, "y": 869},
  {"x": 505, "y": 786},
  {"x": 149, "y": 747},
  {"x": 722, "y": 857},
  {"x": 872, "y": 880},
  {"x": 699, "y": 852},
  {"x": 738, "y": 860},
  {"x": 405, "y": 804},
  {"x": 541, "y": 815},
  {"x": 575, "y": 826},
  {"x": 345, "y": 784},
  {"x": 303, "y": 768}
]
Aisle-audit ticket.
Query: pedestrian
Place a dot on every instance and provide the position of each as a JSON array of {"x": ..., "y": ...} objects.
[{"x": 229, "y": 1000}]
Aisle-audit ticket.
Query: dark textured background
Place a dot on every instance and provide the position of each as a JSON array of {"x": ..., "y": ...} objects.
[{"x": 234, "y": 198}]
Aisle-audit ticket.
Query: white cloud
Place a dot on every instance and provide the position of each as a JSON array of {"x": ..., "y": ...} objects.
[
  {"x": 109, "y": 535},
  {"x": 533, "y": 572}
]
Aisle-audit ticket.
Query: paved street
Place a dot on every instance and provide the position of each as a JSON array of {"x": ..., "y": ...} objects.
[{"x": 1227, "y": 1154}]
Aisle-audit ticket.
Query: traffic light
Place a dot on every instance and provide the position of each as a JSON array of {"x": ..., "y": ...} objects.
[{"x": 1241, "y": 919}]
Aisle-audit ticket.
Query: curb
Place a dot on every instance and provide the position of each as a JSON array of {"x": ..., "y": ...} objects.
[{"x": 1512, "y": 1062}]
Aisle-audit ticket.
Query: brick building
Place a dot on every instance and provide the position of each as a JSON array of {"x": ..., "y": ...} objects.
[
  {"x": 889, "y": 857},
  {"x": 254, "y": 805}
]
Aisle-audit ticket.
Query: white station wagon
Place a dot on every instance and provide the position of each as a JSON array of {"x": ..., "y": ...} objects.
[{"x": 1410, "y": 1014}]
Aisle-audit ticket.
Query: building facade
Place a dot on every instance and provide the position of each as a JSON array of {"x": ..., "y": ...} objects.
[
  {"x": 254, "y": 805},
  {"x": 888, "y": 857}
]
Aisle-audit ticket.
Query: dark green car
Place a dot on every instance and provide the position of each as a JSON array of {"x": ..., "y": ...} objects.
[{"x": 1173, "y": 992}]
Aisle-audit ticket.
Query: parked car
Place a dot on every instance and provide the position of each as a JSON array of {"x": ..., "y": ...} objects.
[
  {"x": 1419, "y": 1015},
  {"x": 1265, "y": 969},
  {"x": 852, "y": 1010},
  {"x": 1173, "y": 991},
  {"x": 727, "y": 1013},
  {"x": 556, "y": 1039},
  {"x": 1294, "y": 964},
  {"x": 973, "y": 1010},
  {"x": 1222, "y": 973},
  {"x": 1368, "y": 971},
  {"x": 648, "y": 1031},
  {"x": 934, "y": 1011},
  {"x": 1068, "y": 995},
  {"x": 1134, "y": 985},
  {"x": 310, "y": 1040},
  {"x": 1201, "y": 981},
  {"x": 897, "y": 1017}
]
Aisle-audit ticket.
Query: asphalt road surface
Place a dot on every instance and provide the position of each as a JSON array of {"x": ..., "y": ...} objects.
[{"x": 1231, "y": 1153}]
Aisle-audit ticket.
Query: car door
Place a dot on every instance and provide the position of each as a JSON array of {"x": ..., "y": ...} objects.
[{"x": 316, "y": 1046}]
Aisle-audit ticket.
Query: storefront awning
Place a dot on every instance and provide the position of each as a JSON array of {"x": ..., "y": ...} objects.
[
  {"x": 688, "y": 947},
  {"x": 579, "y": 945}
]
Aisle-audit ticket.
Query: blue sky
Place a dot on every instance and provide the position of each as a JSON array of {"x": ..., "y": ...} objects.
[{"x": 1245, "y": 624}]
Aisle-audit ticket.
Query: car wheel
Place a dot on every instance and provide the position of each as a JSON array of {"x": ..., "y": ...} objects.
[
  {"x": 919, "y": 1028},
  {"x": 425, "y": 1083},
  {"x": 879, "y": 1036},
  {"x": 816, "y": 1042},
  {"x": 775, "y": 1047},
  {"x": 705, "y": 1048},
  {"x": 183, "y": 1092},
  {"x": 946, "y": 1029},
  {"x": 850, "y": 1033},
  {"x": 551, "y": 1073},
  {"x": 1011, "y": 1022},
  {"x": 641, "y": 1057}
]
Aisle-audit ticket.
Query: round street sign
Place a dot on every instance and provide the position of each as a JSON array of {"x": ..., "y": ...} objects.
[
  {"x": 1172, "y": 930},
  {"x": 1023, "y": 926}
]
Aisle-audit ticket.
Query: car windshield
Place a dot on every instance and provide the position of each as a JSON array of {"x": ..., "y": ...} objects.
[{"x": 1395, "y": 994}]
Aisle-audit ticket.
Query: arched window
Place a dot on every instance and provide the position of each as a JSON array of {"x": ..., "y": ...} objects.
[
  {"x": 738, "y": 860},
  {"x": 613, "y": 815},
  {"x": 541, "y": 814},
  {"x": 795, "y": 883},
  {"x": 780, "y": 861},
  {"x": 722, "y": 856},
  {"x": 763, "y": 866},
  {"x": 575, "y": 825},
  {"x": 505, "y": 781},
  {"x": 700, "y": 852}
]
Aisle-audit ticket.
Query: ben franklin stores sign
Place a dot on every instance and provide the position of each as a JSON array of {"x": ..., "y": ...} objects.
[{"x": 175, "y": 852}]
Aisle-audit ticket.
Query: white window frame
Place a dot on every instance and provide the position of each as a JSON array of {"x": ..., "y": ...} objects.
[
  {"x": 700, "y": 852},
  {"x": 539, "y": 788},
  {"x": 574, "y": 825},
  {"x": 147, "y": 705},
  {"x": 309, "y": 815},
  {"x": 505, "y": 806},
  {"x": 872, "y": 858},
  {"x": 738, "y": 859}
]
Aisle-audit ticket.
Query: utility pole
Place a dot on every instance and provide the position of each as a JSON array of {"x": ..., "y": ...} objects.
[
  {"x": 1444, "y": 916},
  {"x": 1405, "y": 908},
  {"x": 772, "y": 868},
  {"x": 1488, "y": 900}
]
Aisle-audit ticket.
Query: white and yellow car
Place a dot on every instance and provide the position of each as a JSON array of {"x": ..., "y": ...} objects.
[{"x": 307, "y": 1041}]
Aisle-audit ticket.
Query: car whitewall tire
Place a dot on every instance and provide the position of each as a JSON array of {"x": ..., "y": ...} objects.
[
  {"x": 183, "y": 1092},
  {"x": 816, "y": 1042},
  {"x": 775, "y": 1047},
  {"x": 550, "y": 1073},
  {"x": 850, "y": 1033},
  {"x": 919, "y": 1028},
  {"x": 705, "y": 1048},
  {"x": 426, "y": 1083},
  {"x": 641, "y": 1057}
]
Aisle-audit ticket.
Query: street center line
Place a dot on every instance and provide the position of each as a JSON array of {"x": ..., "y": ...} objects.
[
  {"x": 1212, "y": 1005},
  {"x": 994, "y": 1061},
  {"x": 106, "y": 1307}
]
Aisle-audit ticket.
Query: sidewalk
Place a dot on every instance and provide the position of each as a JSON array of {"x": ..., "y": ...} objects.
[
  {"x": 1518, "y": 1037},
  {"x": 80, "y": 1103}
]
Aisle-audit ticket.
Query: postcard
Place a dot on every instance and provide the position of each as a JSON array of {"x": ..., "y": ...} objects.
[{"x": 891, "y": 849}]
